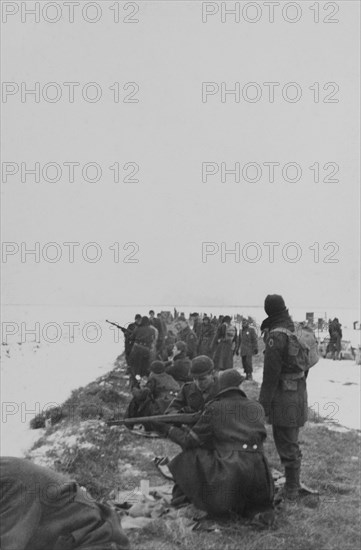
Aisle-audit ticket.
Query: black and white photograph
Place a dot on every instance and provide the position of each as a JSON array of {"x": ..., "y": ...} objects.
[{"x": 180, "y": 261}]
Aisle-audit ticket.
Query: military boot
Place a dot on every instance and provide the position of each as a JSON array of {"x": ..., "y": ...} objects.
[{"x": 292, "y": 485}]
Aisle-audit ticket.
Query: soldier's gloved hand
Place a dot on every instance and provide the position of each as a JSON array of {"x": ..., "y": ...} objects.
[{"x": 161, "y": 427}]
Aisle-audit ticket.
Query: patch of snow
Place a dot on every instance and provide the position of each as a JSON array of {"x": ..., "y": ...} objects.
[
  {"x": 333, "y": 389},
  {"x": 34, "y": 379}
]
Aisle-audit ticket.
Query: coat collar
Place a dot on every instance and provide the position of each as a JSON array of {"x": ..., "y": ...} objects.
[
  {"x": 282, "y": 319},
  {"x": 231, "y": 391}
]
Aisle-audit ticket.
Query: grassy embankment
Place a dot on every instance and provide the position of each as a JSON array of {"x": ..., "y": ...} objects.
[{"x": 105, "y": 460}]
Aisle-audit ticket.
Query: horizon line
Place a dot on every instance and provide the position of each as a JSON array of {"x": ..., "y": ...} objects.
[{"x": 173, "y": 306}]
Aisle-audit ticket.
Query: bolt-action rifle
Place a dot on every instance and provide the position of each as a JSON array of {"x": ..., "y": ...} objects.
[
  {"x": 123, "y": 329},
  {"x": 177, "y": 418}
]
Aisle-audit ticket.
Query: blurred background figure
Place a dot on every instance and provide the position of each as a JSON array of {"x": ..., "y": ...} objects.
[
  {"x": 335, "y": 331},
  {"x": 142, "y": 340},
  {"x": 223, "y": 343},
  {"x": 248, "y": 346},
  {"x": 206, "y": 336}
]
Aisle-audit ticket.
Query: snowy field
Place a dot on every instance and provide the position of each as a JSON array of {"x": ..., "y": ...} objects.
[
  {"x": 71, "y": 347},
  {"x": 36, "y": 375},
  {"x": 333, "y": 389}
]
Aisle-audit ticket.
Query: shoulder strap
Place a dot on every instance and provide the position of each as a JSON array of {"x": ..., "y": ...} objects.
[{"x": 284, "y": 330}]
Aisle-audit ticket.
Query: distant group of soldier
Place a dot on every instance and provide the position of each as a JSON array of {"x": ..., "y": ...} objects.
[{"x": 174, "y": 339}]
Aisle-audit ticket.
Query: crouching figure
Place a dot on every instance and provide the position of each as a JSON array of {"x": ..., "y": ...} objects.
[
  {"x": 222, "y": 468},
  {"x": 41, "y": 509}
]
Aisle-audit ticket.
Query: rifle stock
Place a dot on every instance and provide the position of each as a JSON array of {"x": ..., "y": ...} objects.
[{"x": 181, "y": 418}]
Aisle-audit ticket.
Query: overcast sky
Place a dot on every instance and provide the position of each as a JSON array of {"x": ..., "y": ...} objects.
[{"x": 169, "y": 133}]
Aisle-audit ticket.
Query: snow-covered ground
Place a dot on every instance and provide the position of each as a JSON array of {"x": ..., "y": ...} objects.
[
  {"x": 35, "y": 377},
  {"x": 333, "y": 392}
]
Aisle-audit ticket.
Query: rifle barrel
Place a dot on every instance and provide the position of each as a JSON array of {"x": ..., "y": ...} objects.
[
  {"x": 123, "y": 329},
  {"x": 181, "y": 418}
]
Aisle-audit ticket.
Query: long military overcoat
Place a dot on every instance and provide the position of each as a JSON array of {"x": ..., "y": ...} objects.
[
  {"x": 222, "y": 467},
  {"x": 284, "y": 401}
]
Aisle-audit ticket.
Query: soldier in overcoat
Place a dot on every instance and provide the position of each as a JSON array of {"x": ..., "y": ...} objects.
[
  {"x": 224, "y": 341},
  {"x": 155, "y": 397},
  {"x": 206, "y": 335},
  {"x": 248, "y": 345},
  {"x": 222, "y": 468},
  {"x": 142, "y": 340},
  {"x": 283, "y": 392},
  {"x": 194, "y": 395}
]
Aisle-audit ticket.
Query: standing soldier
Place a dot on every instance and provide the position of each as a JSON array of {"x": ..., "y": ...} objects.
[
  {"x": 156, "y": 324},
  {"x": 128, "y": 344},
  {"x": 142, "y": 341},
  {"x": 223, "y": 342},
  {"x": 335, "y": 338},
  {"x": 206, "y": 337},
  {"x": 283, "y": 392},
  {"x": 248, "y": 345}
]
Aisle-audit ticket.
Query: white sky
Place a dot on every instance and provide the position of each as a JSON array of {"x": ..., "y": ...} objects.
[{"x": 169, "y": 133}]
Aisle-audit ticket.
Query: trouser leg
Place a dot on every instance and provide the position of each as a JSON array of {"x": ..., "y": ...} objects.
[
  {"x": 286, "y": 441},
  {"x": 244, "y": 363},
  {"x": 247, "y": 366}
]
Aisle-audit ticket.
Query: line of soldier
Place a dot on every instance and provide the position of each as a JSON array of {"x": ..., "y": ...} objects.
[{"x": 150, "y": 338}]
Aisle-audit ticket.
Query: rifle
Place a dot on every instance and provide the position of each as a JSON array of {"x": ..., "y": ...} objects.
[
  {"x": 123, "y": 329},
  {"x": 177, "y": 418}
]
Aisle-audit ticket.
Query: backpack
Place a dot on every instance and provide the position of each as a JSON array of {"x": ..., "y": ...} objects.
[{"x": 302, "y": 346}]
